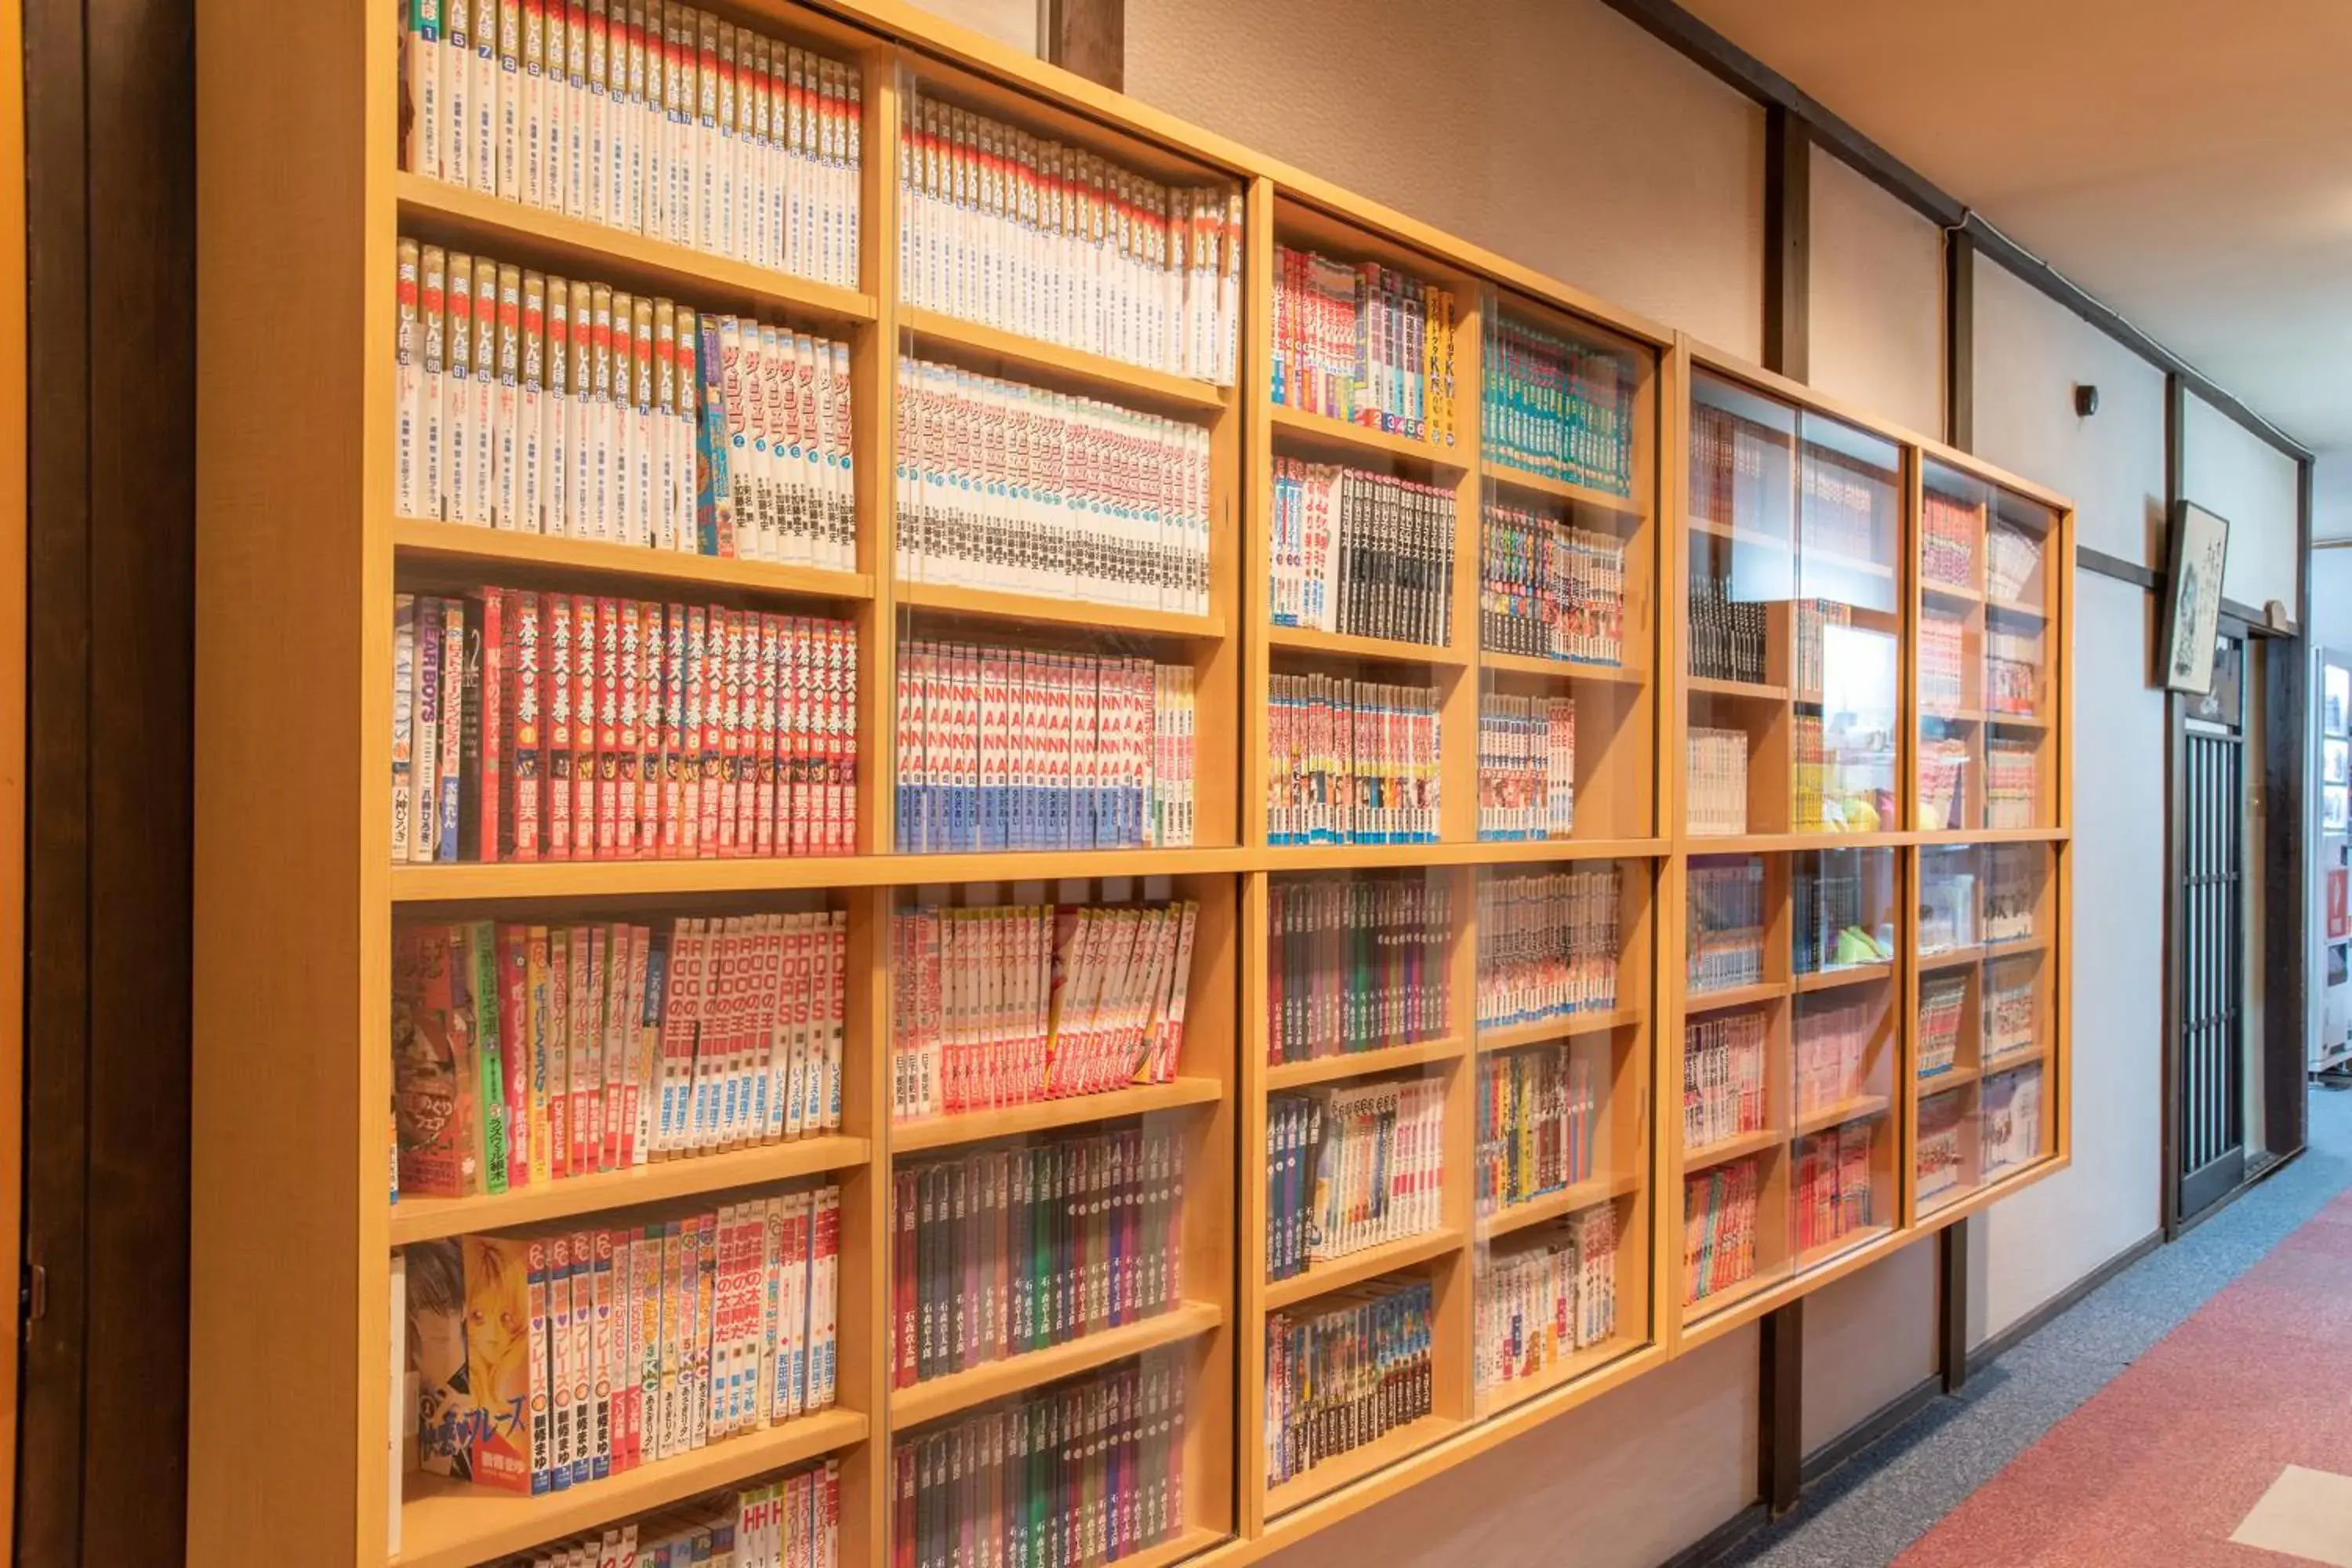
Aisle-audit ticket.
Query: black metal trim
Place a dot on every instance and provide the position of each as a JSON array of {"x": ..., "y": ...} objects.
[
  {"x": 1701, "y": 43},
  {"x": 1952, "y": 1306},
  {"x": 2089, "y": 560},
  {"x": 1960, "y": 339},
  {"x": 1779, "y": 1406},
  {"x": 1722, "y": 1541},
  {"x": 1788, "y": 245}
]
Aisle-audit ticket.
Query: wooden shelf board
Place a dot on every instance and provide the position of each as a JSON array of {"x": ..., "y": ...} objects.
[
  {"x": 416, "y": 1219},
  {"x": 1837, "y": 979},
  {"x": 2015, "y": 721},
  {"x": 1581, "y": 1363},
  {"x": 471, "y": 545},
  {"x": 596, "y": 251},
  {"x": 2015, "y": 607},
  {"x": 1730, "y": 1295},
  {"x": 1456, "y": 852},
  {"x": 1360, "y": 1064},
  {"x": 1113, "y": 380},
  {"x": 473, "y": 884},
  {"x": 1838, "y": 560},
  {"x": 2010, "y": 1061},
  {"x": 1730, "y": 1149},
  {"x": 1345, "y": 1470},
  {"x": 950, "y": 599},
  {"x": 1198, "y": 1539},
  {"x": 1747, "y": 690},
  {"x": 1562, "y": 669},
  {"x": 2015, "y": 946},
  {"x": 1814, "y": 1257},
  {"x": 1358, "y": 442},
  {"x": 963, "y": 1390},
  {"x": 1364, "y": 1264},
  {"x": 1737, "y": 534},
  {"x": 1553, "y": 1205},
  {"x": 1957, "y": 592},
  {"x": 1566, "y": 1027},
  {"x": 1734, "y": 996},
  {"x": 1339, "y": 645},
  {"x": 1929, "y": 1085},
  {"x": 972, "y": 1126},
  {"x": 1952, "y": 957},
  {"x": 1526, "y": 482},
  {"x": 451, "y": 1524},
  {"x": 1854, "y": 1109}
]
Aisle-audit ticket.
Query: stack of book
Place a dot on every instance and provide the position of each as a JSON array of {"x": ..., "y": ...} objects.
[
  {"x": 1361, "y": 554},
  {"x": 2012, "y": 887},
  {"x": 792, "y": 1521},
  {"x": 2011, "y": 782},
  {"x": 2009, "y": 1119},
  {"x": 548, "y": 1359},
  {"x": 1833, "y": 1196},
  {"x": 1838, "y": 504},
  {"x": 1550, "y": 590},
  {"x": 1541, "y": 1302},
  {"x": 1725, "y": 935},
  {"x": 999, "y": 1252},
  {"x": 1941, "y": 998},
  {"x": 1535, "y": 1124},
  {"x": 2012, "y": 671},
  {"x": 1719, "y": 1216},
  {"x": 529, "y": 726},
  {"x": 1351, "y": 762},
  {"x": 1012, "y": 1005},
  {"x": 1084, "y": 1473},
  {"x": 1943, "y": 664},
  {"x": 527, "y": 1054},
  {"x": 1728, "y": 481},
  {"x": 1833, "y": 1045},
  {"x": 1006, "y": 487},
  {"x": 1008, "y": 748},
  {"x": 1526, "y": 767},
  {"x": 1548, "y": 946},
  {"x": 1347, "y": 1374},
  {"x": 1948, "y": 539},
  {"x": 1725, "y": 1092},
  {"x": 1554, "y": 407},
  {"x": 678, "y": 126},
  {"x": 1728, "y": 635},
  {"x": 1718, "y": 780},
  {"x": 2008, "y": 1007},
  {"x": 1031, "y": 235},
  {"x": 1356, "y": 965},
  {"x": 1938, "y": 1151},
  {"x": 1363, "y": 342},
  {"x": 1351, "y": 1167},
  {"x": 2013, "y": 565}
]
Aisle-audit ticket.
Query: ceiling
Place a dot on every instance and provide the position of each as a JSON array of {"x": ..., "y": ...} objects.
[{"x": 2189, "y": 162}]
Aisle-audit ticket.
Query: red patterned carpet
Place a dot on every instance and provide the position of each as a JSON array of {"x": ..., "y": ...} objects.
[{"x": 2238, "y": 1424}]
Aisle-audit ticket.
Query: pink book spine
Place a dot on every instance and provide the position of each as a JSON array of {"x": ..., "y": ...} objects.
[
  {"x": 556, "y": 709},
  {"x": 627, "y": 751},
  {"x": 608, "y": 728},
  {"x": 584, "y": 727}
]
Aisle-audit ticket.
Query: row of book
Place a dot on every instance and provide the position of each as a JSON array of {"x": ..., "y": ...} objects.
[
  {"x": 1942, "y": 995},
  {"x": 1355, "y": 965},
  {"x": 1012, "y": 1005},
  {"x": 1351, "y": 1166},
  {"x": 1943, "y": 664},
  {"x": 2009, "y": 1119},
  {"x": 1839, "y": 505},
  {"x": 792, "y": 1521},
  {"x": 1842, "y": 775},
  {"x": 1541, "y": 1303},
  {"x": 1032, "y": 235},
  {"x": 1943, "y": 781},
  {"x": 1077, "y": 1475},
  {"x": 530, "y": 726},
  {"x": 654, "y": 119},
  {"x": 1947, "y": 904},
  {"x": 1832, "y": 1195},
  {"x": 2013, "y": 565},
  {"x": 1937, "y": 1152},
  {"x": 550, "y": 1359},
  {"x": 1527, "y": 767},
  {"x": 1723, "y": 938},
  {"x": 1008, "y": 748},
  {"x": 1814, "y": 646},
  {"x": 1012, "y": 487},
  {"x": 1548, "y": 945},
  {"x": 2009, "y": 1005},
  {"x": 1727, "y": 628},
  {"x": 2012, "y": 887},
  {"x": 1949, "y": 529},
  {"x": 1719, "y": 1235},
  {"x": 1726, "y": 1092},
  {"x": 1825, "y": 896},
  {"x": 528, "y": 1054},
  {"x": 1535, "y": 1124},
  {"x": 2012, "y": 671},
  {"x": 1351, "y": 762},
  {"x": 1548, "y": 589},
  {"x": 1833, "y": 1053},
  {"x": 1554, "y": 407},
  {"x": 1364, "y": 343},
  {"x": 1739, "y": 473},
  {"x": 1354, "y": 1369},
  {"x": 1001, "y": 1252},
  {"x": 1361, "y": 554},
  {"x": 1716, "y": 784},
  {"x": 2012, "y": 782}
]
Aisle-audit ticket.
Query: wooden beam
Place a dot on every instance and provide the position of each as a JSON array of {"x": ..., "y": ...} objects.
[
  {"x": 1088, "y": 36},
  {"x": 1788, "y": 243},
  {"x": 1960, "y": 339},
  {"x": 1780, "y": 1429}
]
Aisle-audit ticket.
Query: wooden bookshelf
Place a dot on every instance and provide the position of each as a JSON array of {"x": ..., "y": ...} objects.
[{"x": 301, "y": 551}]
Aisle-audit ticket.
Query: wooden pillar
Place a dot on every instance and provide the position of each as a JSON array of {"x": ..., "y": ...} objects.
[
  {"x": 1960, "y": 339},
  {"x": 1788, "y": 243},
  {"x": 1952, "y": 1306},
  {"x": 1088, "y": 36}
]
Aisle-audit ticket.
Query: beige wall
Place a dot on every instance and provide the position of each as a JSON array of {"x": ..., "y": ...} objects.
[
  {"x": 1557, "y": 134},
  {"x": 1869, "y": 1339},
  {"x": 1009, "y": 22},
  {"x": 2233, "y": 473},
  {"x": 1877, "y": 299}
]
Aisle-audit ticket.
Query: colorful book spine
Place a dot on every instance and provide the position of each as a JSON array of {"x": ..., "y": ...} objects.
[
  {"x": 1361, "y": 554},
  {"x": 1542, "y": 1300},
  {"x": 1832, "y": 1196},
  {"x": 1725, "y": 1094},
  {"x": 1549, "y": 946},
  {"x": 1354, "y": 965},
  {"x": 1556, "y": 407},
  {"x": 1527, "y": 767},
  {"x": 1724, "y": 938},
  {"x": 1720, "y": 1227},
  {"x": 1833, "y": 1051},
  {"x": 1535, "y": 1124},
  {"x": 1351, "y": 762},
  {"x": 1364, "y": 343},
  {"x": 1548, "y": 589},
  {"x": 1346, "y": 1374},
  {"x": 1369, "y": 1168}
]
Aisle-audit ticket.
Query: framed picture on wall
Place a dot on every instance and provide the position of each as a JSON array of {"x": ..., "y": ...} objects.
[{"x": 2192, "y": 598}]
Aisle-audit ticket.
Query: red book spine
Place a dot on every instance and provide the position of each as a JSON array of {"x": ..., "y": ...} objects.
[
  {"x": 650, "y": 707},
  {"x": 762, "y": 765},
  {"x": 584, "y": 728},
  {"x": 696, "y": 663},
  {"x": 793, "y": 768},
  {"x": 743, "y": 771},
  {"x": 496, "y": 746},
  {"x": 673, "y": 657},
  {"x": 714, "y": 725},
  {"x": 514, "y": 1047},
  {"x": 522, "y": 668},
  {"x": 608, "y": 728},
  {"x": 844, "y": 669},
  {"x": 556, "y": 708},
  {"x": 902, "y": 1283},
  {"x": 626, "y": 751}
]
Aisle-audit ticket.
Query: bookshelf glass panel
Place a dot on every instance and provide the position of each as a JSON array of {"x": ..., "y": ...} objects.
[
  {"x": 1846, "y": 911},
  {"x": 2020, "y": 642},
  {"x": 1847, "y": 627},
  {"x": 1739, "y": 622},
  {"x": 1738, "y": 1120}
]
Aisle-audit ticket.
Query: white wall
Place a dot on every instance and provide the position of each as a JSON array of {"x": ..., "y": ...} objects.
[
  {"x": 1557, "y": 134},
  {"x": 2233, "y": 473},
  {"x": 1877, "y": 307},
  {"x": 1009, "y": 22}
]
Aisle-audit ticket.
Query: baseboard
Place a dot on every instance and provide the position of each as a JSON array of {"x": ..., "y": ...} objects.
[
  {"x": 2034, "y": 1322},
  {"x": 1872, "y": 1427},
  {"x": 1720, "y": 1541}
]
